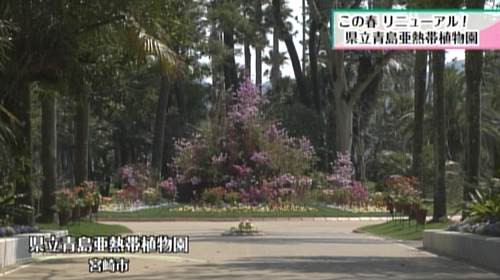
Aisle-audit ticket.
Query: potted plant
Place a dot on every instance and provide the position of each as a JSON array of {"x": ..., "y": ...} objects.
[
  {"x": 405, "y": 201},
  {"x": 420, "y": 213},
  {"x": 398, "y": 206},
  {"x": 87, "y": 201},
  {"x": 389, "y": 201},
  {"x": 421, "y": 216},
  {"x": 96, "y": 200},
  {"x": 65, "y": 201},
  {"x": 77, "y": 208}
]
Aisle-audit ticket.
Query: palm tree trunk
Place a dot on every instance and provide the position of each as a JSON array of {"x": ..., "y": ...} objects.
[
  {"x": 275, "y": 70},
  {"x": 438, "y": 62},
  {"x": 23, "y": 152},
  {"x": 159, "y": 132},
  {"x": 82, "y": 140},
  {"x": 292, "y": 51},
  {"x": 248, "y": 59},
  {"x": 420, "y": 73},
  {"x": 258, "y": 48},
  {"x": 181, "y": 102},
  {"x": 230, "y": 72},
  {"x": 313, "y": 62},
  {"x": 49, "y": 155},
  {"x": 304, "y": 49},
  {"x": 473, "y": 77}
]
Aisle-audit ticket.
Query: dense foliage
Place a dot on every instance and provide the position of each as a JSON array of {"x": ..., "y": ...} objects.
[
  {"x": 149, "y": 100},
  {"x": 245, "y": 153}
]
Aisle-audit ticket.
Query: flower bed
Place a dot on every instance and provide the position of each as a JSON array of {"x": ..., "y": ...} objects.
[
  {"x": 244, "y": 209},
  {"x": 17, "y": 229},
  {"x": 139, "y": 191},
  {"x": 131, "y": 207},
  {"x": 359, "y": 208},
  {"x": 252, "y": 158},
  {"x": 484, "y": 215},
  {"x": 490, "y": 229}
]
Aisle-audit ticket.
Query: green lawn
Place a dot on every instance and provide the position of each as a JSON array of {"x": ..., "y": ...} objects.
[
  {"x": 163, "y": 212},
  {"x": 87, "y": 228},
  {"x": 401, "y": 231}
]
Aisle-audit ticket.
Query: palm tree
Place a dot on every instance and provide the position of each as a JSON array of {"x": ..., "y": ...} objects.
[
  {"x": 419, "y": 111},
  {"x": 67, "y": 39},
  {"x": 473, "y": 78},
  {"x": 438, "y": 61},
  {"x": 5, "y": 29}
]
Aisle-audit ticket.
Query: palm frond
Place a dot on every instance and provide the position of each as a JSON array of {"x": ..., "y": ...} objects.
[
  {"x": 140, "y": 45},
  {"x": 490, "y": 130},
  {"x": 409, "y": 115},
  {"x": 168, "y": 58},
  {"x": 5, "y": 44},
  {"x": 5, "y": 132}
]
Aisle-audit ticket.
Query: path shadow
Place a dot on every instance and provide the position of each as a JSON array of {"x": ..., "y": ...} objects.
[
  {"x": 292, "y": 240},
  {"x": 286, "y": 267}
]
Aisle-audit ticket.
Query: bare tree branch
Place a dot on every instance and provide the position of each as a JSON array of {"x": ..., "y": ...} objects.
[
  {"x": 355, "y": 92},
  {"x": 316, "y": 15},
  {"x": 356, "y": 4}
]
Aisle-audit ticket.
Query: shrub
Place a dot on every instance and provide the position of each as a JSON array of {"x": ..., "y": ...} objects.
[
  {"x": 137, "y": 176},
  {"x": 8, "y": 206},
  {"x": 25, "y": 229},
  {"x": 343, "y": 189},
  {"x": 319, "y": 196},
  {"x": 243, "y": 151},
  {"x": 377, "y": 198},
  {"x": 492, "y": 229},
  {"x": 7, "y": 231},
  {"x": 213, "y": 196},
  {"x": 17, "y": 229},
  {"x": 402, "y": 189},
  {"x": 485, "y": 208},
  {"x": 318, "y": 180},
  {"x": 169, "y": 189},
  {"x": 65, "y": 200},
  {"x": 255, "y": 194},
  {"x": 341, "y": 196},
  {"x": 301, "y": 187},
  {"x": 87, "y": 194},
  {"x": 358, "y": 191},
  {"x": 126, "y": 195},
  {"x": 232, "y": 197},
  {"x": 151, "y": 196}
]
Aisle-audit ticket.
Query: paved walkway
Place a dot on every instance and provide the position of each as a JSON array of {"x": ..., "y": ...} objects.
[{"x": 289, "y": 250}]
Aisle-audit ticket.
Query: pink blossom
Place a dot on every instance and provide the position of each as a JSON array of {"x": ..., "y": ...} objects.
[
  {"x": 169, "y": 187},
  {"x": 242, "y": 169},
  {"x": 247, "y": 101},
  {"x": 259, "y": 157},
  {"x": 219, "y": 159}
]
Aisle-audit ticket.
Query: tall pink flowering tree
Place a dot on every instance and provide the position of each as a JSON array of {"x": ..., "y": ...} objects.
[{"x": 245, "y": 152}]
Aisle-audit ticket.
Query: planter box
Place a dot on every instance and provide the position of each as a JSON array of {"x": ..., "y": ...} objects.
[
  {"x": 15, "y": 249},
  {"x": 478, "y": 249}
]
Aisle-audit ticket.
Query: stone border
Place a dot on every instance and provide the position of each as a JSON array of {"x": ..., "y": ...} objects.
[
  {"x": 478, "y": 249},
  {"x": 15, "y": 249},
  {"x": 258, "y": 219}
]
